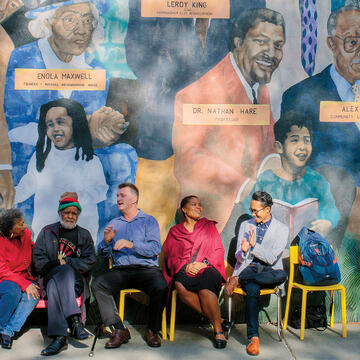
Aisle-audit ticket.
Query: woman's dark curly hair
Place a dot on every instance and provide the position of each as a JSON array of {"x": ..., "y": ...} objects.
[
  {"x": 81, "y": 133},
  {"x": 8, "y": 219}
]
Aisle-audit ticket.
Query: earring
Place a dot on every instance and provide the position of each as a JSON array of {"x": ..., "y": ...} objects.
[{"x": 12, "y": 234}]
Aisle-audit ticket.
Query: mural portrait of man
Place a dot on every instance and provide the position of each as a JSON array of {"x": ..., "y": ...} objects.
[
  {"x": 215, "y": 161},
  {"x": 335, "y": 83}
]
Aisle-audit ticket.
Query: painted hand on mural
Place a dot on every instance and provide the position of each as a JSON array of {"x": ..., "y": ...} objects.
[
  {"x": 7, "y": 190},
  {"x": 321, "y": 226},
  {"x": 106, "y": 126}
]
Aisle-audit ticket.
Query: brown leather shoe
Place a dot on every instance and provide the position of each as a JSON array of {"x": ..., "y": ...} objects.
[
  {"x": 231, "y": 284},
  {"x": 118, "y": 337},
  {"x": 253, "y": 346},
  {"x": 152, "y": 338}
]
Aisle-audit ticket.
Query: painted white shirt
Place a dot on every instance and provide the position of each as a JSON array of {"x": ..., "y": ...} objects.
[{"x": 63, "y": 173}]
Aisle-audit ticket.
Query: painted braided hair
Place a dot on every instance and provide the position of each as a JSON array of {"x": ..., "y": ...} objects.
[{"x": 81, "y": 133}]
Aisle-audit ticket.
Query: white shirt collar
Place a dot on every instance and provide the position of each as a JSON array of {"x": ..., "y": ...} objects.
[
  {"x": 242, "y": 79},
  {"x": 343, "y": 87},
  {"x": 53, "y": 62}
]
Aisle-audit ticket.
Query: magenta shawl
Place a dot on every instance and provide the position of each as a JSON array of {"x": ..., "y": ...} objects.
[{"x": 180, "y": 246}]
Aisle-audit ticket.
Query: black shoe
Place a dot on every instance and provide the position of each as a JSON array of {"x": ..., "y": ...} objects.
[
  {"x": 58, "y": 344},
  {"x": 6, "y": 341},
  {"x": 219, "y": 343},
  {"x": 77, "y": 330}
]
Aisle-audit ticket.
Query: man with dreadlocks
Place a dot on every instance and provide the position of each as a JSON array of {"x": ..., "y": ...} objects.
[
  {"x": 64, "y": 255},
  {"x": 64, "y": 159}
]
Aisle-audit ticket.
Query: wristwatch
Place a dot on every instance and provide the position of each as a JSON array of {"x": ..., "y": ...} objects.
[{"x": 206, "y": 262}]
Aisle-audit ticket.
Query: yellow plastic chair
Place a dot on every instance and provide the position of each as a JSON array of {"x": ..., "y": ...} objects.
[
  {"x": 122, "y": 309},
  {"x": 294, "y": 260},
  {"x": 173, "y": 314},
  {"x": 275, "y": 291},
  {"x": 122, "y": 305},
  {"x": 173, "y": 309}
]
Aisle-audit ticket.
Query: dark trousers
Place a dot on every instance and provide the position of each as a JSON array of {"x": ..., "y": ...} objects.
[
  {"x": 61, "y": 296},
  {"x": 266, "y": 279},
  {"x": 147, "y": 279}
]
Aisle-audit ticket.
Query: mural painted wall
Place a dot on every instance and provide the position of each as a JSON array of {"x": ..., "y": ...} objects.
[{"x": 185, "y": 98}]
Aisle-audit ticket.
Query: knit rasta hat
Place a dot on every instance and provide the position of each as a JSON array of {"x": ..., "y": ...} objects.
[{"x": 68, "y": 201}]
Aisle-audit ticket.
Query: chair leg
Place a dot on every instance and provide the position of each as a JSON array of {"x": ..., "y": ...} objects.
[
  {"x": 286, "y": 317},
  {"x": 172, "y": 316},
  {"x": 343, "y": 312},
  {"x": 229, "y": 314},
  {"x": 278, "y": 314},
  {"x": 163, "y": 325},
  {"x": 303, "y": 313},
  {"x": 229, "y": 308},
  {"x": 122, "y": 305},
  {"x": 332, "y": 304}
]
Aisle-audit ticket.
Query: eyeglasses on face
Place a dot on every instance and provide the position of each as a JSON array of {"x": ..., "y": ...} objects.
[
  {"x": 72, "y": 21},
  {"x": 351, "y": 43},
  {"x": 255, "y": 212}
]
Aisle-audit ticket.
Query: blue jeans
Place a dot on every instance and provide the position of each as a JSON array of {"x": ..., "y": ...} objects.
[
  {"x": 268, "y": 278},
  {"x": 14, "y": 307}
]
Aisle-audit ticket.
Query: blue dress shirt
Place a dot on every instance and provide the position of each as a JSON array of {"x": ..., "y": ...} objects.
[{"x": 143, "y": 231}]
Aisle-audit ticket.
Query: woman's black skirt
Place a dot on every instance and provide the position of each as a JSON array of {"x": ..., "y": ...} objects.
[{"x": 209, "y": 279}]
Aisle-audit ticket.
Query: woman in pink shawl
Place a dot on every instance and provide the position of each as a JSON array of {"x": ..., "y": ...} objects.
[{"x": 194, "y": 265}]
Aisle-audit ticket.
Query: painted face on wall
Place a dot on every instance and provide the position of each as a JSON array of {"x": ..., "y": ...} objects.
[
  {"x": 297, "y": 147},
  {"x": 8, "y": 7},
  {"x": 59, "y": 128},
  {"x": 260, "y": 53},
  {"x": 72, "y": 27},
  {"x": 345, "y": 45}
]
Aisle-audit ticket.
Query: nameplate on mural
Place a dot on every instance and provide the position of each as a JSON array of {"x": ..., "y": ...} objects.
[
  {"x": 226, "y": 114},
  {"x": 59, "y": 79},
  {"x": 186, "y": 9},
  {"x": 339, "y": 111}
]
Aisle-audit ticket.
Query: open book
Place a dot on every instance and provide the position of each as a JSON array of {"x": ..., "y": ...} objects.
[{"x": 296, "y": 216}]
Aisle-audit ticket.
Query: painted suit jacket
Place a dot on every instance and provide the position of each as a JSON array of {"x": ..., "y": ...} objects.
[
  {"x": 328, "y": 137},
  {"x": 214, "y": 161}
]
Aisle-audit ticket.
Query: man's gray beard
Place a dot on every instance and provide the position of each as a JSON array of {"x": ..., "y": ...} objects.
[{"x": 66, "y": 226}]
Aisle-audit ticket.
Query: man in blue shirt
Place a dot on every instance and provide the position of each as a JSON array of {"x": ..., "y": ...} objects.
[{"x": 133, "y": 241}]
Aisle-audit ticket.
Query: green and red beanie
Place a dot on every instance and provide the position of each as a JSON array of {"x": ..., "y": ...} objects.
[{"x": 68, "y": 201}]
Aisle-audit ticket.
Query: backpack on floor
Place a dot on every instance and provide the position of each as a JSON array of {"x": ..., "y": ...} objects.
[
  {"x": 317, "y": 260},
  {"x": 316, "y": 316}
]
